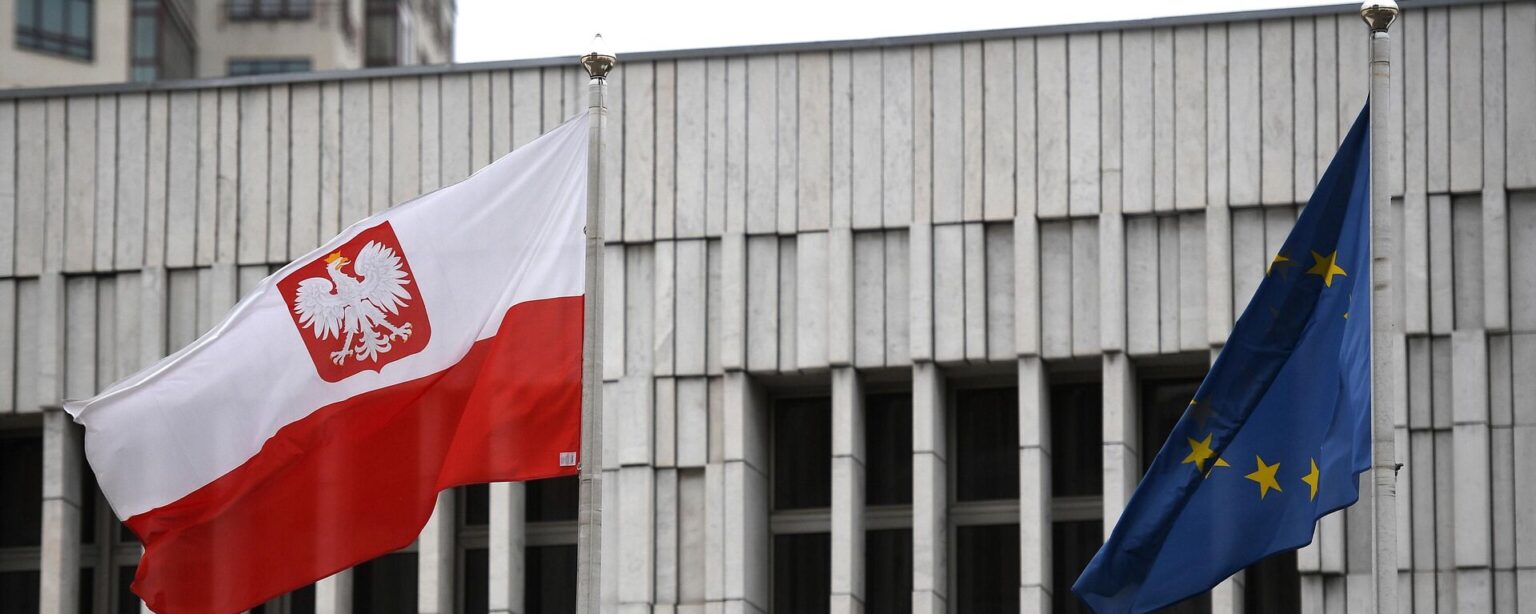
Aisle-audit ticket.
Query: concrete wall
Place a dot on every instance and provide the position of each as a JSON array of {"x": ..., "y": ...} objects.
[
  {"x": 799, "y": 218},
  {"x": 20, "y": 66}
]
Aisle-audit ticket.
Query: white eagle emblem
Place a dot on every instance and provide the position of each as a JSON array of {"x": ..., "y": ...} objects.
[{"x": 344, "y": 304}]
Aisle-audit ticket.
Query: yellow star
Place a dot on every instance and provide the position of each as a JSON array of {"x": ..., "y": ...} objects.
[
  {"x": 1311, "y": 480},
  {"x": 1265, "y": 476},
  {"x": 1326, "y": 267},
  {"x": 1199, "y": 452},
  {"x": 1281, "y": 261}
]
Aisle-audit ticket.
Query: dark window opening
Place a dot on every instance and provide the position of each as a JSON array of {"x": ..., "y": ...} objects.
[
  {"x": 18, "y": 589},
  {"x": 986, "y": 450},
  {"x": 888, "y": 449},
  {"x": 127, "y": 602},
  {"x": 385, "y": 585},
  {"x": 1272, "y": 586},
  {"x": 476, "y": 593},
  {"x": 1077, "y": 435},
  {"x": 802, "y": 573},
  {"x": 63, "y": 27},
  {"x": 550, "y": 579},
  {"x": 21, "y": 491},
  {"x": 475, "y": 501},
  {"x": 240, "y": 10},
  {"x": 87, "y": 591},
  {"x": 987, "y": 568},
  {"x": 552, "y": 499},
  {"x": 381, "y": 32},
  {"x": 888, "y": 571},
  {"x": 267, "y": 66},
  {"x": 301, "y": 601},
  {"x": 802, "y": 453},
  {"x": 1073, "y": 545}
]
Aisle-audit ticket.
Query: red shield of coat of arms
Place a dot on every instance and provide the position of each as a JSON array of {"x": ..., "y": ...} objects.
[{"x": 358, "y": 308}]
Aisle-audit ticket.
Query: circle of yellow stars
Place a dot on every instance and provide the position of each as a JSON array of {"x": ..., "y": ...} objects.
[{"x": 1266, "y": 475}]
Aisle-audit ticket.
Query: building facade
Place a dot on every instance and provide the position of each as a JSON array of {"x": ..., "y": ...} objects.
[
  {"x": 891, "y": 326},
  {"x": 68, "y": 42}
]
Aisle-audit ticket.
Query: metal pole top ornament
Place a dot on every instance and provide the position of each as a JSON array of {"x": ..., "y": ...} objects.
[{"x": 1379, "y": 14}]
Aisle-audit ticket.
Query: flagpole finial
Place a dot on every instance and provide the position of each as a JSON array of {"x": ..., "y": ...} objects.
[
  {"x": 1379, "y": 14},
  {"x": 599, "y": 60}
]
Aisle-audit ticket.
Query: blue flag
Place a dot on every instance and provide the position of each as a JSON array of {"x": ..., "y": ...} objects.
[{"x": 1279, "y": 431}]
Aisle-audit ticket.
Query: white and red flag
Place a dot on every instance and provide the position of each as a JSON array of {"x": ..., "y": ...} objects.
[{"x": 433, "y": 345}]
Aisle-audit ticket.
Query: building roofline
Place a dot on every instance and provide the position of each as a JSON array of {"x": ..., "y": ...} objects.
[{"x": 646, "y": 56}]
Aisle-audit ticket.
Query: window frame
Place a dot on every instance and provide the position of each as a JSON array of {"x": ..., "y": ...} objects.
[
  {"x": 34, "y": 36},
  {"x": 230, "y": 63},
  {"x": 288, "y": 10}
]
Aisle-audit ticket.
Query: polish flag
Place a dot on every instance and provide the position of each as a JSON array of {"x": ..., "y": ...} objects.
[{"x": 433, "y": 345}]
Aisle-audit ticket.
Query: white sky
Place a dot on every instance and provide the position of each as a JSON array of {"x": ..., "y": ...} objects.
[{"x": 513, "y": 29}]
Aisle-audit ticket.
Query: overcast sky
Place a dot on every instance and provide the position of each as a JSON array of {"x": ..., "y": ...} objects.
[{"x": 512, "y": 29}]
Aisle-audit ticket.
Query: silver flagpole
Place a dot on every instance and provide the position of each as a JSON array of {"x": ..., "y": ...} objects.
[
  {"x": 1379, "y": 15},
  {"x": 589, "y": 515}
]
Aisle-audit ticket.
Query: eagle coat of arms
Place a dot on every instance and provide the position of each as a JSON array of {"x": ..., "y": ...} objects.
[{"x": 355, "y": 308}]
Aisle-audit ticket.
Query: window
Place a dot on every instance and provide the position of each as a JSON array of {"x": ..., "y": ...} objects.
[
  {"x": 1272, "y": 586},
  {"x": 553, "y": 499},
  {"x": 986, "y": 450},
  {"x": 802, "y": 454},
  {"x": 267, "y": 66},
  {"x": 64, "y": 27},
  {"x": 549, "y": 566},
  {"x": 473, "y": 543},
  {"x": 162, "y": 42},
  {"x": 301, "y": 601},
  {"x": 240, "y": 10},
  {"x": 985, "y": 511},
  {"x": 550, "y": 583},
  {"x": 385, "y": 585},
  {"x": 987, "y": 568},
  {"x": 127, "y": 602},
  {"x": 802, "y": 573},
  {"x": 381, "y": 30},
  {"x": 888, "y": 571},
  {"x": 801, "y": 489},
  {"x": 1073, "y": 545},
  {"x": 1077, "y": 433},
  {"x": 888, "y": 449},
  {"x": 18, "y": 589},
  {"x": 21, "y": 490}
]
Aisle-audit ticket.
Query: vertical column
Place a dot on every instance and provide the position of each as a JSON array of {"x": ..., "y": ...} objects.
[
  {"x": 1473, "y": 504},
  {"x": 1034, "y": 488},
  {"x": 1122, "y": 437},
  {"x": 847, "y": 492},
  {"x": 745, "y": 504},
  {"x": 930, "y": 492},
  {"x": 60, "y": 564},
  {"x": 434, "y": 567},
  {"x": 507, "y": 542},
  {"x": 333, "y": 595},
  {"x": 1227, "y": 597}
]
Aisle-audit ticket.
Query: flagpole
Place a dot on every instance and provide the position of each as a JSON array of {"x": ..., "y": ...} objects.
[
  {"x": 589, "y": 514},
  {"x": 1379, "y": 15}
]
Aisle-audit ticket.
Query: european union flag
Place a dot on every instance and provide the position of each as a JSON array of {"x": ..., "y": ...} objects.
[{"x": 1279, "y": 431}]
